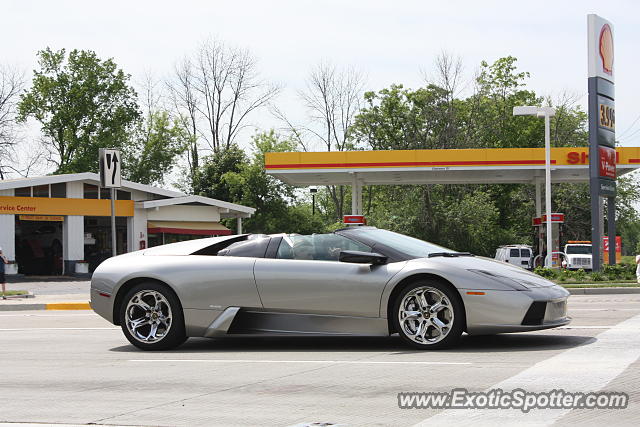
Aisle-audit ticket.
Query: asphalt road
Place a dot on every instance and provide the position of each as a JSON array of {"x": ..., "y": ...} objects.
[{"x": 75, "y": 368}]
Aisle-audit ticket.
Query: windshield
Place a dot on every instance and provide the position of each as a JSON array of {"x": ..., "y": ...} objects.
[
  {"x": 405, "y": 244},
  {"x": 580, "y": 250}
]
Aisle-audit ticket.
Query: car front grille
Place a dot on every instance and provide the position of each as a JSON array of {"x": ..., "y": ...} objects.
[
  {"x": 545, "y": 311},
  {"x": 581, "y": 261},
  {"x": 556, "y": 310}
]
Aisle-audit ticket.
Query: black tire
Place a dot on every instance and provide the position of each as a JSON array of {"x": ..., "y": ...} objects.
[
  {"x": 456, "y": 307},
  {"x": 173, "y": 335}
]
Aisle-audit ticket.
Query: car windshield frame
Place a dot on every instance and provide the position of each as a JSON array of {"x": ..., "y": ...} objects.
[{"x": 409, "y": 246}]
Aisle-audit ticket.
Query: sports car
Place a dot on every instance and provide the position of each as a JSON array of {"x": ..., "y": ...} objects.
[{"x": 359, "y": 280}]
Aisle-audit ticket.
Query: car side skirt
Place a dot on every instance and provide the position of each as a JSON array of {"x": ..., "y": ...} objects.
[{"x": 243, "y": 321}]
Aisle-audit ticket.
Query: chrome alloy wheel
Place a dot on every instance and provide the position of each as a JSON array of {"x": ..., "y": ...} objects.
[
  {"x": 426, "y": 315},
  {"x": 148, "y": 316}
]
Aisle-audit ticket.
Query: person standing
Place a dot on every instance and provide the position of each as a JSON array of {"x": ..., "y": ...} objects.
[{"x": 3, "y": 261}]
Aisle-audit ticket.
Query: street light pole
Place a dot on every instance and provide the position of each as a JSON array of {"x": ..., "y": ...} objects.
[
  {"x": 313, "y": 191},
  {"x": 546, "y": 113},
  {"x": 547, "y": 175},
  {"x": 114, "y": 250}
]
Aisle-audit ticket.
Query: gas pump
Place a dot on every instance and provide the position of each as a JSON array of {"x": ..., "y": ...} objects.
[{"x": 540, "y": 239}]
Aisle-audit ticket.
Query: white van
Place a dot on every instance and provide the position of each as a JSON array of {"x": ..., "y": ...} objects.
[{"x": 519, "y": 255}]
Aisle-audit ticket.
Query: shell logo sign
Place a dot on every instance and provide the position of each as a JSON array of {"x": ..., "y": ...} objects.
[
  {"x": 606, "y": 48},
  {"x": 600, "y": 48}
]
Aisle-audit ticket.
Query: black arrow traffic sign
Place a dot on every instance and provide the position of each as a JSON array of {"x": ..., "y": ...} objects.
[
  {"x": 109, "y": 168},
  {"x": 114, "y": 165}
]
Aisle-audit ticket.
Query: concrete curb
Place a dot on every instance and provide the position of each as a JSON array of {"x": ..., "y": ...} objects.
[
  {"x": 47, "y": 306},
  {"x": 603, "y": 291}
]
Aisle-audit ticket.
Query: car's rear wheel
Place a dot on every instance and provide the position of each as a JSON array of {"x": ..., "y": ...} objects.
[
  {"x": 151, "y": 317},
  {"x": 429, "y": 315}
]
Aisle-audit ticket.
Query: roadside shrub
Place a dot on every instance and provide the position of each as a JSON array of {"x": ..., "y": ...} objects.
[
  {"x": 623, "y": 271},
  {"x": 626, "y": 271},
  {"x": 614, "y": 272},
  {"x": 596, "y": 276},
  {"x": 547, "y": 273},
  {"x": 565, "y": 275},
  {"x": 629, "y": 269},
  {"x": 580, "y": 275}
]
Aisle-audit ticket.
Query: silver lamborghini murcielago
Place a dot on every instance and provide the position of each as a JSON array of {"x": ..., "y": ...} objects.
[{"x": 355, "y": 281}]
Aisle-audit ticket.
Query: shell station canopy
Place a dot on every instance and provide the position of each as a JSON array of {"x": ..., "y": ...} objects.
[{"x": 452, "y": 166}]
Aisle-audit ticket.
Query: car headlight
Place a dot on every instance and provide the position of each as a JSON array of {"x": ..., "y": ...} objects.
[{"x": 515, "y": 284}]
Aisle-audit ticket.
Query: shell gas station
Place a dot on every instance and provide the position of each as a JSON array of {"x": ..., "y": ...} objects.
[
  {"x": 599, "y": 164},
  {"x": 448, "y": 166}
]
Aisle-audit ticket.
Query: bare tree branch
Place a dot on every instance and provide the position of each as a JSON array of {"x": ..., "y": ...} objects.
[
  {"x": 226, "y": 79},
  {"x": 332, "y": 98},
  {"x": 297, "y": 134},
  {"x": 186, "y": 105},
  {"x": 12, "y": 82}
]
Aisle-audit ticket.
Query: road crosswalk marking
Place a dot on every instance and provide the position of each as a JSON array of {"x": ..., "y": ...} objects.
[{"x": 587, "y": 368}]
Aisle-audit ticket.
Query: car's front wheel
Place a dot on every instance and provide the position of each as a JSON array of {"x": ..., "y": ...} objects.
[
  {"x": 151, "y": 317},
  {"x": 428, "y": 315}
]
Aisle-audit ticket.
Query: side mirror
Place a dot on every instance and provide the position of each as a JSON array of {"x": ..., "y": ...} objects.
[{"x": 358, "y": 257}]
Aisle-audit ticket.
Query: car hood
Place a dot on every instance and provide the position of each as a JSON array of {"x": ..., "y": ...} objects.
[{"x": 490, "y": 265}]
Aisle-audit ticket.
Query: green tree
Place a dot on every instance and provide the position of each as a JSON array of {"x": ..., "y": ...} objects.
[
  {"x": 82, "y": 104},
  {"x": 467, "y": 217},
  {"x": 209, "y": 181},
  {"x": 404, "y": 119},
  {"x": 230, "y": 175},
  {"x": 627, "y": 218},
  {"x": 153, "y": 148},
  {"x": 275, "y": 202}
]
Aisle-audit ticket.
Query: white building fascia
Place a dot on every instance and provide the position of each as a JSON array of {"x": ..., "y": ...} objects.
[{"x": 83, "y": 176}]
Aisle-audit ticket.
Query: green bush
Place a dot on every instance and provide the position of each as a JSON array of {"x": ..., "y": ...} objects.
[
  {"x": 565, "y": 275},
  {"x": 547, "y": 273},
  {"x": 628, "y": 268},
  {"x": 614, "y": 272},
  {"x": 580, "y": 275},
  {"x": 623, "y": 271},
  {"x": 596, "y": 276}
]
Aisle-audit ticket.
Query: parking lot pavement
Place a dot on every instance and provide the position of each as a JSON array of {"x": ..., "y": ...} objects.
[{"x": 73, "y": 367}]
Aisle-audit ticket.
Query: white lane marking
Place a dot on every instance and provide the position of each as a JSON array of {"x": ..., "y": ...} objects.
[
  {"x": 589, "y": 327},
  {"x": 596, "y": 327},
  {"x": 58, "y": 329},
  {"x": 604, "y": 309},
  {"x": 351, "y": 362},
  {"x": 587, "y": 368}
]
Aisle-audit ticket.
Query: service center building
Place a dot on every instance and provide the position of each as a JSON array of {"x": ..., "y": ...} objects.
[{"x": 60, "y": 224}]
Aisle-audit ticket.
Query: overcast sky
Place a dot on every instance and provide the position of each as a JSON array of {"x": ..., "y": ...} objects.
[{"x": 390, "y": 41}]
